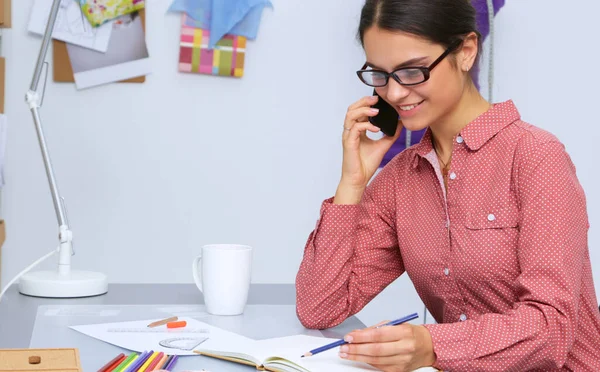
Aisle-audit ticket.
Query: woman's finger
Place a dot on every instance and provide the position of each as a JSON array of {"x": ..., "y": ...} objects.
[
  {"x": 358, "y": 115},
  {"x": 358, "y": 132},
  {"x": 365, "y": 101},
  {"x": 361, "y": 128},
  {"x": 382, "y": 334},
  {"x": 372, "y": 349},
  {"x": 361, "y": 113}
]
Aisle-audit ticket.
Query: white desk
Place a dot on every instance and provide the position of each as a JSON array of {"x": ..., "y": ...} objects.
[{"x": 18, "y": 314}]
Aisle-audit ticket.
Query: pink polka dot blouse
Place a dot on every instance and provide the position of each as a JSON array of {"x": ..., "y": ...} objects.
[{"x": 500, "y": 260}]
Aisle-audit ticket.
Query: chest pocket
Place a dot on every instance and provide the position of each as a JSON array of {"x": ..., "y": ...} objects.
[
  {"x": 492, "y": 218},
  {"x": 490, "y": 246}
]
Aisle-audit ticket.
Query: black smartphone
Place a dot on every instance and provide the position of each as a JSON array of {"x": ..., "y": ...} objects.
[{"x": 387, "y": 118}]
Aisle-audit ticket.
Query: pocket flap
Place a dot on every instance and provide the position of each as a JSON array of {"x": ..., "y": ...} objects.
[{"x": 492, "y": 218}]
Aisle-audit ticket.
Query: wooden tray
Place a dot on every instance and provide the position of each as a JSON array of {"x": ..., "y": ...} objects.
[{"x": 39, "y": 360}]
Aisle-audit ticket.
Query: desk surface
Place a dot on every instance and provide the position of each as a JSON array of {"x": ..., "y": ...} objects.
[{"x": 18, "y": 313}]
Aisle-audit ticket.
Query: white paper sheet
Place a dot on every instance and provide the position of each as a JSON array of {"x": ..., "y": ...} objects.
[
  {"x": 136, "y": 336},
  {"x": 71, "y": 26},
  {"x": 126, "y": 57}
]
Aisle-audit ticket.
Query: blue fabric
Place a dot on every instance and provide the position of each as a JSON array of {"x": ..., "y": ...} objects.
[
  {"x": 220, "y": 17},
  {"x": 199, "y": 10}
]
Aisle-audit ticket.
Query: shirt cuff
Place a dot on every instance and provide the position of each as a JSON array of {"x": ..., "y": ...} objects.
[{"x": 452, "y": 344}]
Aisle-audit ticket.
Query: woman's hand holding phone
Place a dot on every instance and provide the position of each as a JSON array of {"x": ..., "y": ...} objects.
[{"x": 362, "y": 155}]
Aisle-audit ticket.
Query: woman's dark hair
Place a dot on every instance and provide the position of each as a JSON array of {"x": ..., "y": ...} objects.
[{"x": 440, "y": 21}]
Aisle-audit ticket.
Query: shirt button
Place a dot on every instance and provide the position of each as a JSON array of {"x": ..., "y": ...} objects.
[
  {"x": 462, "y": 317},
  {"x": 459, "y": 139},
  {"x": 491, "y": 217},
  {"x": 452, "y": 176},
  {"x": 446, "y": 271}
]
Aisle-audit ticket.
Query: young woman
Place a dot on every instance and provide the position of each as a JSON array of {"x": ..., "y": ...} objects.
[{"x": 485, "y": 214}]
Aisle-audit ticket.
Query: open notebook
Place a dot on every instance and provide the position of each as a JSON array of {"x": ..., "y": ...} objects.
[{"x": 283, "y": 355}]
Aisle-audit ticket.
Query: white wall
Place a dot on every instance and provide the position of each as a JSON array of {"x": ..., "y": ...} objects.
[
  {"x": 199, "y": 159},
  {"x": 546, "y": 62}
]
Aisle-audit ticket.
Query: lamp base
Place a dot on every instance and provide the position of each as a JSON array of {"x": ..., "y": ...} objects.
[{"x": 52, "y": 284}]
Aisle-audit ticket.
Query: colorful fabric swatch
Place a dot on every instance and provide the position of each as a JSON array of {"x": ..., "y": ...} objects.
[
  {"x": 100, "y": 11},
  {"x": 225, "y": 59}
]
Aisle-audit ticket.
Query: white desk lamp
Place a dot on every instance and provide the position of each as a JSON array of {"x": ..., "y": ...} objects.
[{"x": 62, "y": 282}]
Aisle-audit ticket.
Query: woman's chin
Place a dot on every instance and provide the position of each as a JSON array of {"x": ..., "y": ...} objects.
[{"x": 413, "y": 125}]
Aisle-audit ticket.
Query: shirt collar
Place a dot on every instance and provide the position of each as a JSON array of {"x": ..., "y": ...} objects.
[{"x": 477, "y": 132}]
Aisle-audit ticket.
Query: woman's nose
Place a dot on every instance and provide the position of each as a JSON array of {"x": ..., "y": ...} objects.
[{"x": 395, "y": 91}]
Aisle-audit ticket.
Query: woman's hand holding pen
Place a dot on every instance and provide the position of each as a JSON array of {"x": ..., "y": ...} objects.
[
  {"x": 362, "y": 155},
  {"x": 399, "y": 348}
]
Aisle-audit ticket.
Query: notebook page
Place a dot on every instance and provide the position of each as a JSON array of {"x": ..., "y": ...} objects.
[{"x": 292, "y": 347}]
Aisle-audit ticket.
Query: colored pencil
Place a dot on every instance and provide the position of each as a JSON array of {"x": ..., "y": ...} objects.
[
  {"x": 172, "y": 363},
  {"x": 153, "y": 363},
  {"x": 148, "y": 361},
  {"x": 113, "y": 363},
  {"x": 160, "y": 363},
  {"x": 126, "y": 362},
  {"x": 162, "y": 322},
  {"x": 342, "y": 342},
  {"x": 114, "y": 367},
  {"x": 164, "y": 366},
  {"x": 139, "y": 361}
]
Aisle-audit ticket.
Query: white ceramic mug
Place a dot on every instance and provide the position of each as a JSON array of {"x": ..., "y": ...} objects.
[{"x": 222, "y": 273}]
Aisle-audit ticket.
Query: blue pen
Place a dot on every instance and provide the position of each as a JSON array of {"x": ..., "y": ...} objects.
[
  {"x": 138, "y": 363},
  {"x": 342, "y": 342}
]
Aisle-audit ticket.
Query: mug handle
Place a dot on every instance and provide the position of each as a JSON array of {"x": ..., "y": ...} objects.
[{"x": 197, "y": 278}]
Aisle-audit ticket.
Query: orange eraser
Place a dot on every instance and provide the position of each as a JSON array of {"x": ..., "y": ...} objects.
[{"x": 179, "y": 324}]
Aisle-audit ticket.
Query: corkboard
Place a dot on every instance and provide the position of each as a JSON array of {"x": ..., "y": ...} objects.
[{"x": 5, "y": 14}]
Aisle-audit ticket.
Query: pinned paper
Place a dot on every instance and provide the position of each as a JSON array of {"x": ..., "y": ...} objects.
[
  {"x": 220, "y": 18},
  {"x": 126, "y": 57},
  {"x": 99, "y": 12},
  {"x": 70, "y": 25}
]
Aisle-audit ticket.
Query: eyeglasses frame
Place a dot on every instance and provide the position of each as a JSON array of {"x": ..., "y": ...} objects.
[{"x": 426, "y": 70}]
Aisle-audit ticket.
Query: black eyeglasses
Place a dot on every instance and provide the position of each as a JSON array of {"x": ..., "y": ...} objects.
[{"x": 404, "y": 76}]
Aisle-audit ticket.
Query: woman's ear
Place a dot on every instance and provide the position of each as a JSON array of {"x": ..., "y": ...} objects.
[{"x": 468, "y": 53}]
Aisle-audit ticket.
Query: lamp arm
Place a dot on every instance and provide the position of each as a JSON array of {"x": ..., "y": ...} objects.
[{"x": 32, "y": 98}]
